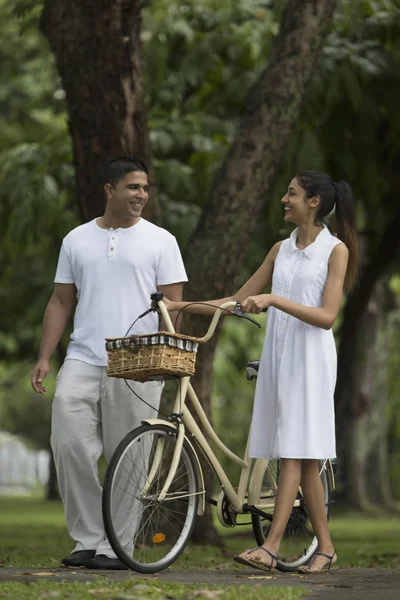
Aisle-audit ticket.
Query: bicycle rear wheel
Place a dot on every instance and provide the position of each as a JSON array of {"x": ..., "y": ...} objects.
[
  {"x": 147, "y": 534},
  {"x": 299, "y": 543}
]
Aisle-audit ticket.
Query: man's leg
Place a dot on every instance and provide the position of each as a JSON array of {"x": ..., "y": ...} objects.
[
  {"x": 76, "y": 444},
  {"x": 122, "y": 412}
]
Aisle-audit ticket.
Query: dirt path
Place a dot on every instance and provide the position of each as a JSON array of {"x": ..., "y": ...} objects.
[{"x": 339, "y": 584}]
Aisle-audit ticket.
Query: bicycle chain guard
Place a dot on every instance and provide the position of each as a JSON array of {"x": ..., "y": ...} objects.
[{"x": 226, "y": 515}]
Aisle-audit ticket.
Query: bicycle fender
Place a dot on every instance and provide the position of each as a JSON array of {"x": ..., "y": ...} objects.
[
  {"x": 159, "y": 422},
  {"x": 202, "y": 504}
]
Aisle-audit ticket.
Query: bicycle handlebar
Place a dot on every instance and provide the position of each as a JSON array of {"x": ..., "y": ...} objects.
[{"x": 157, "y": 303}]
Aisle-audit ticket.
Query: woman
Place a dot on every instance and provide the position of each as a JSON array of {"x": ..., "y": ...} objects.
[{"x": 293, "y": 417}]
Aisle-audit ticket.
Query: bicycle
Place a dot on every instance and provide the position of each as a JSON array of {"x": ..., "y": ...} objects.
[{"x": 154, "y": 485}]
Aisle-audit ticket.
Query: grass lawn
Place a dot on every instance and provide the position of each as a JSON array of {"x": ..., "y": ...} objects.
[
  {"x": 33, "y": 535},
  {"x": 147, "y": 590}
]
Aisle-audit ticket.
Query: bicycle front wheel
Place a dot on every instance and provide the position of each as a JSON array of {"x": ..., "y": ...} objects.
[
  {"x": 299, "y": 543},
  {"x": 146, "y": 533}
]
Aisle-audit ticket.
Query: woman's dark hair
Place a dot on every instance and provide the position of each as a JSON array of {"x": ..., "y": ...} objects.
[
  {"x": 117, "y": 168},
  {"x": 336, "y": 195}
]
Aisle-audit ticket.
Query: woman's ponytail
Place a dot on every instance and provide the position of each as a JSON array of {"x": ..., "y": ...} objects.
[
  {"x": 339, "y": 196},
  {"x": 345, "y": 211}
]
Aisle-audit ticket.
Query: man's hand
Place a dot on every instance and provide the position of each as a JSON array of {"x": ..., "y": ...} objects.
[
  {"x": 38, "y": 375},
  {"x": 256, "y": 304}
]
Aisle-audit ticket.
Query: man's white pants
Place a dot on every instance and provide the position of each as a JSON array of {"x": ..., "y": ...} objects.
[{"x": 91, "y": 414}]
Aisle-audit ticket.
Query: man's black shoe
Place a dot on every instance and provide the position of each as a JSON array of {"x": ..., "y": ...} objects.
[
  {"x": 79, "y": 558},
  {"x": 101, "y": 561}
]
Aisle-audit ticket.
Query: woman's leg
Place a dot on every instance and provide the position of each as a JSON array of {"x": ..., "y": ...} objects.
[
  {"x": 288, "y": 487},
  {"x": 315, "y": 501}
]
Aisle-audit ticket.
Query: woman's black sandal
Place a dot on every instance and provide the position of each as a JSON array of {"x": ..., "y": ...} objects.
[
  {"x": 324, "y": 569},
  {"x": 256, "y": 564}
]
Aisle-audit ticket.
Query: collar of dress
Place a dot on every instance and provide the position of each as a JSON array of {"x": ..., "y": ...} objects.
[{"x": 312, "y": 249}]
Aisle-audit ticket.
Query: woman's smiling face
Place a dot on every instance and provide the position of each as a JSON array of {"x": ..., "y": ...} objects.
[{"x": 297, "y": 208}]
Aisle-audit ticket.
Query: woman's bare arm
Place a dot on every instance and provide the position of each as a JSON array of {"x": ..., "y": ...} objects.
[
  {"x": 261, "y": 279},
  {"x": 323, "y": 316}
]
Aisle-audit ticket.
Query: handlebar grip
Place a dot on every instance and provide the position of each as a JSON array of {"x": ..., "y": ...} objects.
[
  {"x": 157, "y": 296},
  {"x": 239, "y": 313}
]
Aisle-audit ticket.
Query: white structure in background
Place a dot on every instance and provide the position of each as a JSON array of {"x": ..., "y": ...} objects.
[{"x": 21, "y": 468}]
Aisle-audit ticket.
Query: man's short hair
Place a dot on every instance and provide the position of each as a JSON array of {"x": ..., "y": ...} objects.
[{"x": 117, "y": 168}]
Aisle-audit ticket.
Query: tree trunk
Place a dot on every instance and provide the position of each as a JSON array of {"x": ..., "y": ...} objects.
[
  {"x": 363, "y": 428},
  {"x": 377, "y": 430},
  {"x": 217, "y": 248},
  {"x": 368, "y": 478},
  {"x": 351, "y": 404},
  {"x": 97, "y": 48}
]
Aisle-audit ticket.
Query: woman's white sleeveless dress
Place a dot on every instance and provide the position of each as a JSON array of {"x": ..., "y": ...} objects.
[{"x": 293, "y": 414}]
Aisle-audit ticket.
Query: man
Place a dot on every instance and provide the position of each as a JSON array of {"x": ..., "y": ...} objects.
[{"x": 110, "y": 265}]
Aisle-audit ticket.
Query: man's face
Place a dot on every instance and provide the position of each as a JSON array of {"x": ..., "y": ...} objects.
[{"x": 129, "y": 196}]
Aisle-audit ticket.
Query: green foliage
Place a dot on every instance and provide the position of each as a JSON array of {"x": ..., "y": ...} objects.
[
  {"x": 36, "y": 211},
  {"x": 36, "y": 182},
  {"x": 350, "y": 126},
  {"x": 201, "y": 59},
  {"x": 22, "y": 411},
  {"x": 23, "y": 8},
  {"x": 30, "y": 94}
]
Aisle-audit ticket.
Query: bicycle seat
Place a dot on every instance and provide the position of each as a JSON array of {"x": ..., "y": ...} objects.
[{"x": 252, "y": 369}]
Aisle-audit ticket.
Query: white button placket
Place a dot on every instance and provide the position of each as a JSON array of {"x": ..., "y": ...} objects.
[
  {"x": 112, "y": 245},
  {"x": 283, "y": 317}
]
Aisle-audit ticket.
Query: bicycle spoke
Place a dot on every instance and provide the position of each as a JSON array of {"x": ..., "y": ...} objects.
[{"x": 147, "y": 533}]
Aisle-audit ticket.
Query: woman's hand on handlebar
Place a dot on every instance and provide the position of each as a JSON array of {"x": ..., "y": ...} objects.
[
  {"x": 257, "y": 304},
  {"x": 167, "y": 304},
  {"x": 172, "y": 306}
]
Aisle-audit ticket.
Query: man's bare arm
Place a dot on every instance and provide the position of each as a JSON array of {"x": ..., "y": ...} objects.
[
  {"x": 173, "y": 291},
  {"x": 55, "y": 319}
]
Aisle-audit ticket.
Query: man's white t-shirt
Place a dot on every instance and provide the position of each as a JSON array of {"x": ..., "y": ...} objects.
[{"x": 115, "y": 271}]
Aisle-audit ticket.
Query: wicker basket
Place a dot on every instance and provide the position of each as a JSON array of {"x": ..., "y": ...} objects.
[{"x": 151, "y": 356}]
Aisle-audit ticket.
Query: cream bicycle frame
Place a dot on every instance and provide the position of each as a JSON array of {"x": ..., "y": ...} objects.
[{"x": 250, "y": 478}]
